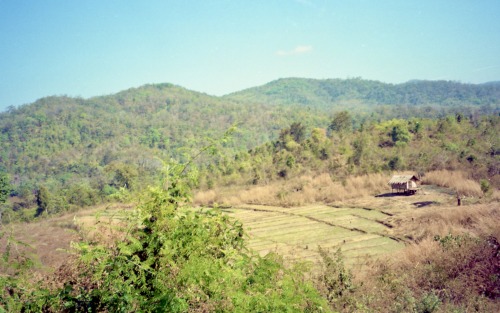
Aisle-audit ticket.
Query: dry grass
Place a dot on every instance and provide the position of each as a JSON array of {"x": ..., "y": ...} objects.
[
  {"x": 459, "y": 272},
  {"x": 207, "y": 197},
  {"x": 48, "y": 241},
  {"x": 457, "y": 180},
  {"x": 477, "y": 220},
  {"x": 459, "y": 268},
  {"x": 298, "y": 191},
  {"x": 44, "y": 241}
]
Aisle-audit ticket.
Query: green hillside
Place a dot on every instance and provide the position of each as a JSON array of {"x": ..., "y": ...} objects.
[
  {"x": 84, "y": 151},
  {"x": 87, "y": 149},
  {"x": 301, "y": 172},
  {"x": 414, "y": 98},
  {"x": 326, "y": 92}
]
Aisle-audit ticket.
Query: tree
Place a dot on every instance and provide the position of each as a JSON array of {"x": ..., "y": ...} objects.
[
  {"x": 123, "y": 175},
  {"x": 152, "y": 137},
  {"x": 296, "y": 131},
  {"x": 43, "y": 200},
  {"x": 335, "y": 279},
  {"x": 396, "y": 163},
  {"x": 341, "y": 122},
  {"x": 5, "y": 187},
  {"x": 359, "y": 149},
  {"x": 400, "y": 134}
]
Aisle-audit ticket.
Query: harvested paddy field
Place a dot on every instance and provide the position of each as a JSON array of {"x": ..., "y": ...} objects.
[
  {"x": 296, "y": 233},
  {"x": 364, "y": 228}
]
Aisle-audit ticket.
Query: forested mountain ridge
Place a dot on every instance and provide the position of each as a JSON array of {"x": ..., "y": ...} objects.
[
  {"x": 336, "y": 92},
  {"x": 77, "y": 147},
  {"x": 88, "y": 149}
]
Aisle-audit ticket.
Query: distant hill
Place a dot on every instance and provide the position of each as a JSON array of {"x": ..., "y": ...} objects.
[
  {"x": 341, "y": 92},
  {"x": 494, "y": 83}
]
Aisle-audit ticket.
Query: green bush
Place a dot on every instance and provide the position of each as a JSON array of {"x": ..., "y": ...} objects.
[
  {"x": 169, "y": 258},
  {"x": 335, "y": 280},
  {"x": 485, "y": 186}
]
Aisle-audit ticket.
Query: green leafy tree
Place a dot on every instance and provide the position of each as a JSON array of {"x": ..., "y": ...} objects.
[
  {"x": 43, "y": 200},
  {"x": 123, "y": 175},
  {"x": 152, "y": 137},
  {"x": 5, "y": 187},
  {"x": 359, "y": 146},
  {"x": 335, "y": 279},
  {"x": 341, "y": 122},
  {"x": 295, "y": 132},
  {"x": 396, "y": 163},
  {"x": 400, "y": 134}
]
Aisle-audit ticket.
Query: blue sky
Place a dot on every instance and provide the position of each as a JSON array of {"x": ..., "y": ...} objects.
[{"x": 90, "y": 48}]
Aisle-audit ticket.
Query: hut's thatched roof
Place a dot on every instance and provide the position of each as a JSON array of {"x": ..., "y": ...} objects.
[{"x": 399, "y": 179}]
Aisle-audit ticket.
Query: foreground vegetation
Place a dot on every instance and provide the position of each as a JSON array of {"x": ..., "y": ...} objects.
[
  {"x": 162, "y": 255},
  {"x": 166, "y": 258}
]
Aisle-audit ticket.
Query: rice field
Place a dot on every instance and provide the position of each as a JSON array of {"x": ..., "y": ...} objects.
[
  {"x": 364, "y": 228},
  {"x": 296, "y": 233}
]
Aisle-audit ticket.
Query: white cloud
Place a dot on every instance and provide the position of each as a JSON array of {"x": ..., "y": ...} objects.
[
  {"x": 296, "y": 51},
  {"x": 304, "y": 2}
]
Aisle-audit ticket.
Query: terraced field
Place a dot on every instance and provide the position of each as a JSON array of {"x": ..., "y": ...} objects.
[
  {"x": 294, "y": 232},
  {"x": 297, "y": 232}
]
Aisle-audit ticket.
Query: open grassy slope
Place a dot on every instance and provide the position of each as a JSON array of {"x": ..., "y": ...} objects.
[{"x": 48, "y": 241}]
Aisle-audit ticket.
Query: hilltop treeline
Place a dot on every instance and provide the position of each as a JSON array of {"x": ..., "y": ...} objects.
[{"x": 316, "y": 92}]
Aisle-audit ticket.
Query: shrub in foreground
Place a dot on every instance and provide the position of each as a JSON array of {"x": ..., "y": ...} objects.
[{"x": 172, "y": 259}]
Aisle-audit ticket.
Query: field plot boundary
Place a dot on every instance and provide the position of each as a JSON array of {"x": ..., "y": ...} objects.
[
  {"x": 296, "y": 233},
  {"x": 328, "y": 222}
]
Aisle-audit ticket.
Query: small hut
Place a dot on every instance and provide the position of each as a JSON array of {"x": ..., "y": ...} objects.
[{"x": 404, "y": 183}]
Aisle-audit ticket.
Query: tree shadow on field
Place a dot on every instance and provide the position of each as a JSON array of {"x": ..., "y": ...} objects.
[
  {"x": 391, "y": 194},
  {"x": 424, "y": 203}
]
